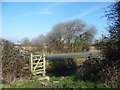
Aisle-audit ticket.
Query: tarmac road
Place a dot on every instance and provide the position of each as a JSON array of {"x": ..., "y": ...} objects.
[{"x": 56, "y": 56}]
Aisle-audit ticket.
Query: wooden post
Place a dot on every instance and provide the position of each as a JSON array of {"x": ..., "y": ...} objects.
[
  {"x": 31, "y": 63},
  {"x": 44, "y": 64}
]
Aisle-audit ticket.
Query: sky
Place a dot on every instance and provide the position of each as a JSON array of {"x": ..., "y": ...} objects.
[{"x": 31, "y": 19}]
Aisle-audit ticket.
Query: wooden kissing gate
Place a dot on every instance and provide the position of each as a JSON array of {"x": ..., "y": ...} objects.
[{"x": 37, "y": 64}]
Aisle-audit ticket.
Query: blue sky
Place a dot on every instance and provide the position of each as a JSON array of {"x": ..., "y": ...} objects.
[{"x": 30, "y": 19}]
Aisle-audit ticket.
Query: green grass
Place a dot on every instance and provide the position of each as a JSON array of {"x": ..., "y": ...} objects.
[{"x": 67, "y": 82}]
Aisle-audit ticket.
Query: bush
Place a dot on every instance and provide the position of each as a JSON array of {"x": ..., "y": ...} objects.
[
  {"x": 103, "y": 70},
  {"x": 13, "y": 63}
]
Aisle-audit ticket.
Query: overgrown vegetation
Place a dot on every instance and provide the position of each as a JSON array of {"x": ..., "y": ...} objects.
[
  {"x": 13, "y": 63},
  {"x": 111, "y": 47},
  {"x": 102, "y": 70},
  {"x": 108, "y": 70}
]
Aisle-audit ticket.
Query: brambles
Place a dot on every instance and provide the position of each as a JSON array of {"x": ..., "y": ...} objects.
[
  {"x": 102, "y": 70},
  {"x": 13, "y": 63},
  {"x": 108, "y": 71}
]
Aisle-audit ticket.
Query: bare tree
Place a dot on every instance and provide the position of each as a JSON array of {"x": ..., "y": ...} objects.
[
  {"x": 25, "y": 42},
  {"x": 40, "y": 40},
  {"x": 70, "y": 36},
  {"x": 38, "y": 43}
]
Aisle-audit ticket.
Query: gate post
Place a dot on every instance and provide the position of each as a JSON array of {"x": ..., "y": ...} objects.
[
  {"x": 31, "y": 63},
  {"x": 44, "y": 72}
]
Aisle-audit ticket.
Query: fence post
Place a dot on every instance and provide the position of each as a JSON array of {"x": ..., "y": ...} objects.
[
  {"x": 44, "y": 64},
  {"x": 31, "y": 63}
]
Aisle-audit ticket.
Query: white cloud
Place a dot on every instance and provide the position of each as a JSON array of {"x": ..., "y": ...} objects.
[
  {"x": 95, "y": 15},
  {"x": 45, "y": 11},
  {"x": 88, "y": 12}
]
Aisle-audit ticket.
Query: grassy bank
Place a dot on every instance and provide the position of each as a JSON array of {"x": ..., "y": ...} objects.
[{"x": 61, "y": 82}]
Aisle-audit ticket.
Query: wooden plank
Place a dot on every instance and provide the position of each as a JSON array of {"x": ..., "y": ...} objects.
[
  {"x": 37, "y": 59},
  {"x": 39, "y": 66},
  {"x": 39, "y": 63},
  {"x": 36, "y": 62},
  {"x": 39, "y": 70}
]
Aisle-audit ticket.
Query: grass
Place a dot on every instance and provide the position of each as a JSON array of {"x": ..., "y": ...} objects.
[{"x": 63, "y": 82}]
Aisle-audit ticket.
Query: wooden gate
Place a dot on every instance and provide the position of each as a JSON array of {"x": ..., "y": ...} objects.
[{"x": 37, "y": 64}]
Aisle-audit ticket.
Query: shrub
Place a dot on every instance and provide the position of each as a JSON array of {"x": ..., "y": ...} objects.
[{"x": 13, "y": 63}]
